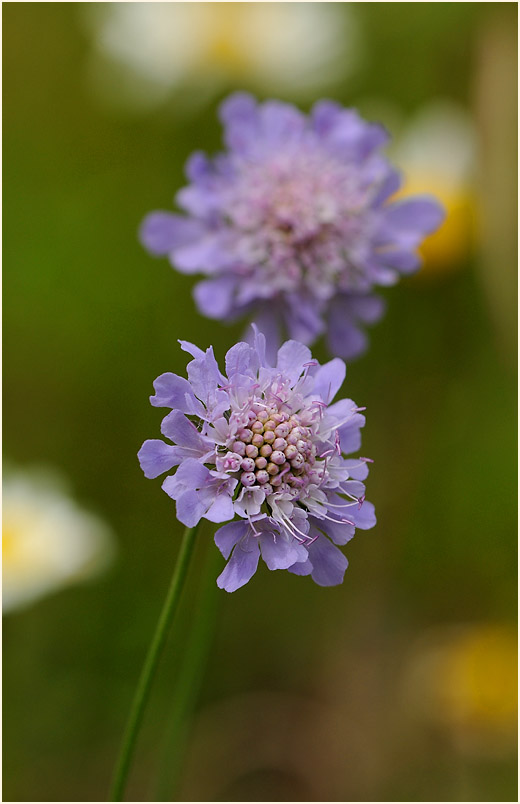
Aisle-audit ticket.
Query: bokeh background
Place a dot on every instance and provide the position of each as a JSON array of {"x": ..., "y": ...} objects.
[{"x": 401, "y": 683}]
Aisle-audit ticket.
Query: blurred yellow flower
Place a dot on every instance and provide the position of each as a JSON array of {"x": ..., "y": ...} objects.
[
  {"x": 437, "y": 155},
  {"x": 465, "y": 680},
  {"x": 47, "y": 541},
  {"x": 143, "y": 52}
]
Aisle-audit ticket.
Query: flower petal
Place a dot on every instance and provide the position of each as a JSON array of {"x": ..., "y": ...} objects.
[
  {"x": 242, "y": 565},
  {"x": 172, "y": 391},
  {"x": 221, "y": 510},
  {"x": 329, "y": 378},
  {"x": 328, "y": 563},
  {"x": 214, "y": 297},
  {"x": 161, "y": 232},
  {"x": 182, "y": 432},
  {"x": 190, "y": 509},
  {"x": 281, "y": 551},
  {"x": 227, "y": 536},
  {"x": 292, "y": 356},
  {"x": 156, "y": 457}
]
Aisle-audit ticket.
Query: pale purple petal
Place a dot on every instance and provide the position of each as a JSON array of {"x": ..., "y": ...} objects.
[
  {"x": 281, "y": 551},
  {"x": 339, "y": 532},
  {"x": 292, "y": 357},
  {"x": 242, "y": 359},
  {"x": 204, "y": 375},
  {"x": 192, "y": 474},
  {"x": 357, "y": 468},
  {"x": 329, "y": 378},
  {"x": 214, "y": 297},
  {"x": 172, "y": 391},
  {"x": 161, "y": 232},
  {"x": 182, "y": 432},
  {"x": 301, "y": 568},
  {"x": 242, "y": 565},
  {"x": 221, "y": 510},
  {"x": 239, "y": 114},
  {"x": 344, "y": 337},
  {"x": 156, "y": 457},
  {"x": 407, "y": 222},
  {"x": 190, "y": 509},
  {"x": 328, "y": 563},
  {"x": 364, "y": 516},
  {"x": 227, "y": 536},
  {"x": 193, "y": 350}
]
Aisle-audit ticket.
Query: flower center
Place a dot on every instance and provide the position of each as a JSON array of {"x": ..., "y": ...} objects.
[{"x": 275, "y": 450}]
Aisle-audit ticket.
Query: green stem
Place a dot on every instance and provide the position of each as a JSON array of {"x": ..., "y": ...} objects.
[
  {"x": 189, "y": 681},
  {"x": 150, "y": 666}
]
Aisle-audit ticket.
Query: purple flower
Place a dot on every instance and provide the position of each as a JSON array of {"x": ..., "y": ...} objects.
[
  {"x": 265, "y": 445},
  {"x": 293, "y": 225}
]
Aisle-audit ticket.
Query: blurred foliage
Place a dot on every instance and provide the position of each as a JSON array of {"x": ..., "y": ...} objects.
[{"x": 90, "y": 320}]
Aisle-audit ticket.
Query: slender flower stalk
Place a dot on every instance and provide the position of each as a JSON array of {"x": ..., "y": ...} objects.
[
  {"x": 150, "y": 666},
  {"x": 193, "y": 663}
]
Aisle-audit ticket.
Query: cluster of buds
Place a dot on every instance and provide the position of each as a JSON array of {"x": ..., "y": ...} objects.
[{"x": 275, "y": 450}]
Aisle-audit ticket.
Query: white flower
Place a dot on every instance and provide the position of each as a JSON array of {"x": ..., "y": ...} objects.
[
  {"x": 47, "y": 541},
  {"x": 145, "y": 51}
]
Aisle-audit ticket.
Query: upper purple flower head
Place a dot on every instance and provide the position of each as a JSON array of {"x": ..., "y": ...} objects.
[
  {"x": 293, "y": 224},
  {"x": 265, "y": 445}
]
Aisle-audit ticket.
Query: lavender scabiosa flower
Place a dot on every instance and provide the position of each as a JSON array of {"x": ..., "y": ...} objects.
[
  {"x": 266, "y": 445},
  {"x": 293, "y": 226}
]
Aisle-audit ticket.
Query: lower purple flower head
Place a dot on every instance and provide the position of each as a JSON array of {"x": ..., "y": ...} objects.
[
  {"x": 294, "y": 225},
  {"x": 262, "y": 449}
]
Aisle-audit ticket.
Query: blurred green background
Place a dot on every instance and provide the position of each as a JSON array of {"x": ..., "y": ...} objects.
[{"x": 394, "y": 686}]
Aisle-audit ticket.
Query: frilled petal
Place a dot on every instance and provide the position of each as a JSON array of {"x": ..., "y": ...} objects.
[
  {"x": 242, "y": 359},
  {"x": 172, "y": 391},
  {"x": 281, "y": 551},
  {"x": 191, "y": 474},
  {"x": 227, "y": 536},
  {"x": 339, "y": 532},
  {"x": 365, "y": 307},
  {"x": 329, "y": 378},
  {"x": 301, "y": 568},
  {"x": 353, "y": 487},
  {"x": 303, "y": 318},
  {"x": 190, "y": 509},
  {"x": 214, "y": 297},
  {"x": 280, "y": 122},
  {"x": 204, "y": 375},
  {"x": 162, "y": 232},
  {"x": 328, "y": 563},
  {"x": 347, "y": 419},
  {"x": 241, "y": 566},
  {"x": 406, "y": 262},
  {"x": 292, "y": 357},
  {"x": 364, "y": 516},
  {"x": 156, "y": 457},
  {"x": 407, "y": 222},
  {"x": 357, "y": 468},
  {"x": 352, "y": 137},
  {"x": 182, "y": 432},
  {"x": 221, "y": 510},
  {"x": 239, "y": 114},
  {"x": 208, "y": 253},
  {"x": 344, "y": 337}
]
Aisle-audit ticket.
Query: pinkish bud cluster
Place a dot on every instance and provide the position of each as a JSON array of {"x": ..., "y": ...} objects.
[{"x": 274, "y": 450}]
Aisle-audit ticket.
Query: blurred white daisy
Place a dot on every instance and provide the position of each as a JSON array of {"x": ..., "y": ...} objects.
[
  {"x": 437, "y": 153},
  {"x": 143, "y": 53},
  {"x": 48, "y": 542}
]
